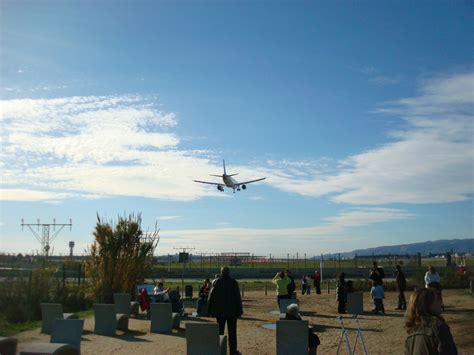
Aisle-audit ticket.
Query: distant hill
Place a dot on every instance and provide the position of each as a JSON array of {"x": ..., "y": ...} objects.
[{"x": 434, "y": 247}]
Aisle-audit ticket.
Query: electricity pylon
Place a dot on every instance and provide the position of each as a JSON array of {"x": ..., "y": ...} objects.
[{"x": 45, "y": 238}]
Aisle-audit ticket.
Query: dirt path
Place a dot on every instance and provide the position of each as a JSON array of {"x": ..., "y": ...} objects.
[{"x": 383, "y": 334}]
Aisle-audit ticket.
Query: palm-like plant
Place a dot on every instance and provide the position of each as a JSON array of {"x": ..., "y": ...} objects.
[{"x": 120, "y": 257}]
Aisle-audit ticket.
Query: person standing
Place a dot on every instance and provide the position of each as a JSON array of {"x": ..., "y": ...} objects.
[
  {"x": 304, "y": 284},
  {"x": 428, "y": 332},
  {"x": 401, "y": 282},
  {"x": 341, "y": 293},
  {"x": 377, "y": 274},
  {"x": 377, "y": 294},
  {"x": 281, "y": 281},
  {"x": 225, "y": 304},
  {"x": 433, "y": 280},
  {"x": 308, "y": 284},
  {"x": 292, "y": 285},
  {"x": 317, "y": 281}
]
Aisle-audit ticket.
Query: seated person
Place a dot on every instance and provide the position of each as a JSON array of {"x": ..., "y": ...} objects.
[
  {"x": 292, "y": 313},
  {"x": 176, "y": 304},
  {"x": 144, "y": 301},
  {"x": 201, "y": 308},
  {"x": 161, "y": 295}
]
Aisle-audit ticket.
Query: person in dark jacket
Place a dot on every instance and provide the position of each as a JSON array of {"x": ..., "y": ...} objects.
[
  {"x": 292, "y": 313},
  {"x": 427, "y": 331},
  {"x": 401, "y": 282},
  {"x": 341, "y": 293},
  {"x": 291, "y": 285},
  {"x": 377, "y": 274},
  {"x": 226, "y": 305}
]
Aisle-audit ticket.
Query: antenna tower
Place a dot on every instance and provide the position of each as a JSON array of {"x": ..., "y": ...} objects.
[{"x": 46, "y": 238}]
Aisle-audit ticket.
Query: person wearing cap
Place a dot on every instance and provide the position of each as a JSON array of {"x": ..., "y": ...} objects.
[{"x": 293, "y": 313}]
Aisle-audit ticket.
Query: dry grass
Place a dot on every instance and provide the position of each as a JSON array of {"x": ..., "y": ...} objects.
[{"x": 383, "y": 334}]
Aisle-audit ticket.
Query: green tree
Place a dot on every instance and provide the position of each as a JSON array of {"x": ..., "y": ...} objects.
[{"x": 120, "y": 257}]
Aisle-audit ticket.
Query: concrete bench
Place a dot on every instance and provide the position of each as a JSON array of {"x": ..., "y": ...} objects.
[
  {"x": 355, "y": 302},
  {"x": 8, "y": 346},
  {"x": 204, "y": 339},
  {"x": 65, "y": 339},
  {"x": 50, "y": 312},
  {"x": 106, "y": 320},
  {"x": 163, "y": 320},
  {"x": 124, "y": 304},
  {"x": 292, "y": 337},
  {"x": 284, "y": 303}
]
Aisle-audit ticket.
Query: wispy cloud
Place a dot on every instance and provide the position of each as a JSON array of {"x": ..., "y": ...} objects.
[
  {"x": 430, "y": 160},
  {"x": 109, "y": 146},
  {"x": 375, "y": 76},
  {"x": 330, "y": 231},
  {"x": 168, "y": 218},
  {"x": 383, "y": 80},
  {"x": 126, "y": 146}
]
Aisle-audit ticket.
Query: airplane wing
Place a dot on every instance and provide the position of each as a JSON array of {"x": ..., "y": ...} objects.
[
  {"x": 209, "y": 183},
  {"x": 249, "y": 182}
]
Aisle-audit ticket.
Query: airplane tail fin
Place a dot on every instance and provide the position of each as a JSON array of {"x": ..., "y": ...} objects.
[{"x": 223, "y": 163}]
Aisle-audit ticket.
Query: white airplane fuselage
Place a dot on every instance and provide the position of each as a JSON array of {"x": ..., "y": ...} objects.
[{"x": 229, "y": 181}]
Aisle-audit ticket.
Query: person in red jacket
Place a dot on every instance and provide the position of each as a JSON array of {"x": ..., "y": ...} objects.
[{"x": 317, "y": 281}]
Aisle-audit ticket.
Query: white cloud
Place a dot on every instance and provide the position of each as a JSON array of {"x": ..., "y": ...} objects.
[
  {"x": 168, "y": 218},
  {"x": 104, "y": 146},
  {"x": 330, "y": 232},
  {"x": 30, "y": 195},
  {"x": 125, "y": 146},
  {"x": 430, "y": 160}
]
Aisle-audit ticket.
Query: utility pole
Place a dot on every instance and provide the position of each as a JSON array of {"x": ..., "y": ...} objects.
[
  {"x": 183, "y": 258},
  {"x": 45, "y": 238}
]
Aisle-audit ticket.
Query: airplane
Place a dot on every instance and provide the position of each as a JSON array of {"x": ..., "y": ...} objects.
[{"x": 229, "y": 181}]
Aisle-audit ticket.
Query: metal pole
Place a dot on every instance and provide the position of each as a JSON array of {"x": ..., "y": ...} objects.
[{"x": 321, "y": 264}]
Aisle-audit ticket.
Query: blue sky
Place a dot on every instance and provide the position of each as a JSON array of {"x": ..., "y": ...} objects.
[{"x": 359, "y": 115}]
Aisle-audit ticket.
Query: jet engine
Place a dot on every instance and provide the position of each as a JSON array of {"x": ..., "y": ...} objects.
[
  {"x": 243, "y": 187},
  {"x": 220, "y": 188}
]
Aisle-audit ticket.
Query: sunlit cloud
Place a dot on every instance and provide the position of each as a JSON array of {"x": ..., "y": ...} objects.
[
  {"x": 127, "y": 146},
  {"x": 430, "y": 160},
  {"x": 331, "y": 230}
]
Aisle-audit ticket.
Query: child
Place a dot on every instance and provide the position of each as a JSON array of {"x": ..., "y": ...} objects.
[
  {"x": 304, "y": 285},
  {"x": 377, "y": 295},
  {"x": 427, "y": 330}
]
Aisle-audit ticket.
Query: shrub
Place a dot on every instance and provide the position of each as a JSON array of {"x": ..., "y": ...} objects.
[{"x": 120, "y": 256}]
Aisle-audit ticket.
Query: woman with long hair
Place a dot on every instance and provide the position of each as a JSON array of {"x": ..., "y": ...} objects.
[{"x": 427, "y": 330}]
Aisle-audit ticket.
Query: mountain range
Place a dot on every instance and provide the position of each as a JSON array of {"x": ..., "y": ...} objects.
[{"x": 441, "y": 246}]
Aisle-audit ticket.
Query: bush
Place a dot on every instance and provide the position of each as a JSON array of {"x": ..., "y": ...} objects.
[
  {"x": 120, "y": 256},
  {"x": 17, "y": 313}
]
